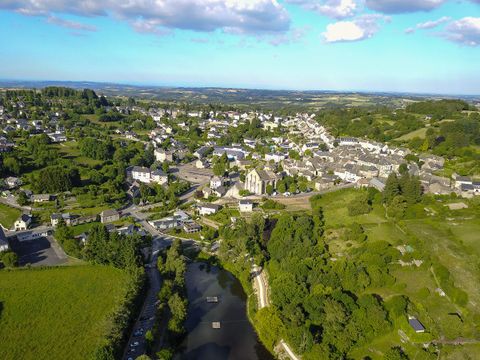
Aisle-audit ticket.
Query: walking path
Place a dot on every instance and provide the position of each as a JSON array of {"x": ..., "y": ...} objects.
[{"x": 261, "y": 285}]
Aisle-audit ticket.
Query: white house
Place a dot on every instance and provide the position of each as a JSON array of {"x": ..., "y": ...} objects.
[
  {"x": 208, "y": 209},
  {"x": 201, "y": 164},
  {"x": 12, "y": 182},
  {"x": 162, "y": 155},
  {"x": 159, "y": 177},
  {"x": 41, "y": 198},
  {"x": 245, "y": 206},
  {"x": 276, "y": 157},
  {"x": 216, "y": 182},
  {"x": 147, "y": 176},
  {"x": 23, "y": 222}
]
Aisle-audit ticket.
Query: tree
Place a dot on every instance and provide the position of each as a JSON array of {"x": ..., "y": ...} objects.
[
  {"x": 219, "y": 169},
  {"x": 144, "y": 357},
  {"x": 302, "y": 186},
  {"x": 22, "y": 198},
  {"x": 55, "y": 179},
  {"x": 356, "y": 233},
  {"x": 395, "y": 353},
  {"x": 269, "y": 326},
  {"x": 397, "y": 207},
  {"x": 359, "y": 205},
  {"x": 178, "y": 310},
  {"x": 269, "y": 189},
  {"x": 281, "y": 186},
  {"x": 165, "y": 354},
  {"x": 392, "y": 188},
  {"x": 9, "y": 259},
  {"x": 411, "y": 188},
  {"x": 292, "y": 188}
]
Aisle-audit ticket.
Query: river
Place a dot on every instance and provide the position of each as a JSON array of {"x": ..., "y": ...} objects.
[{"x": 236, "y": 338}]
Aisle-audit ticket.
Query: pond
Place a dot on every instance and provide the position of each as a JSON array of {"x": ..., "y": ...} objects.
[{"x": 236, "y": 338}]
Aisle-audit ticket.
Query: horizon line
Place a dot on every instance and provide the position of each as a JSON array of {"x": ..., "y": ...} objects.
[{"x": 139, "y": 85}]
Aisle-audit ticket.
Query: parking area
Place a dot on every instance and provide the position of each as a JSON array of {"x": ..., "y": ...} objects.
[
  {"x": 42, "y": 251},
  {"x": 190, "y": 173}
]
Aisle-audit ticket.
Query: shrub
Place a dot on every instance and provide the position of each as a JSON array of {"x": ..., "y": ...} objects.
[{"x": 272, "y": 205}]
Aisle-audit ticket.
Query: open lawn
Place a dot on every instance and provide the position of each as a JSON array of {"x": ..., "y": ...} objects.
[
  {"x": 79, "y": 229},
  {"x": 462, "y": 262},
  {"x": 420, "y": 133},
  {"x": 70, "y": 150},
  {"x": 8, "y": 215},
  {"x": 334, "y": 205},
  {"x": 57, "y": 313}
]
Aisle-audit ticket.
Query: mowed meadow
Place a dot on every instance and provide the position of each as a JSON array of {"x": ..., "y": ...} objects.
[{"x": 57, "y": 313}]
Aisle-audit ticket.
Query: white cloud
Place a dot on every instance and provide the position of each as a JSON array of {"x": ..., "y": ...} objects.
[
  {"x": 433, "y": 24},
  {"x": 337, "y": 9},
  {"x": 403, "y": 6},
  {"x": 70, "y": 24},
  {"x": 343, "y": 31},
  {"x": 465, "y": 31},
  {"x": 360, "y": 28},
  {"x": 428, "y": 25},
  {"x": 239, "y": 16}
]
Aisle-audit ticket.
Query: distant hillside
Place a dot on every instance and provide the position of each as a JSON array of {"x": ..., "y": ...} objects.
[{"x": 257, "y": 97}]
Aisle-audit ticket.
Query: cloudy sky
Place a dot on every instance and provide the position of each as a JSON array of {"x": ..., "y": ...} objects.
[{"x": 371, "y": 45}]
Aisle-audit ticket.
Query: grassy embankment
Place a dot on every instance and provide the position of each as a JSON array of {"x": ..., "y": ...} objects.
[{"x": 8, "y": 215}]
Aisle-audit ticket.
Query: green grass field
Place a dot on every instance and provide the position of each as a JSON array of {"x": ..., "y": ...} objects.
[
  {"x": 334, "y": 205},
  {"x": 420, "y": 133},
  {"x": 57, "y": 313},
  {"x": 8, "y": 215}
]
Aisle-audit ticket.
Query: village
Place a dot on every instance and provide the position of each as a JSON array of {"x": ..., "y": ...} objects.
[{"x": 297, "y": 147}]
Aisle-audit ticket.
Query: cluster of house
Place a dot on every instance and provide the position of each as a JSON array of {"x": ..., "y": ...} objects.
[
  {"x": 324, "y": 160},
  {"x": 179, "y": 220},
  {"x": 146, "y": 175},
  {"x": 466, "y": 185},
  {"x": 9, "y": 123}
]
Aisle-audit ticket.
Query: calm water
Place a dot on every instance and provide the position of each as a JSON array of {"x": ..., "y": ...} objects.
[{"x": 236, "y": 339}]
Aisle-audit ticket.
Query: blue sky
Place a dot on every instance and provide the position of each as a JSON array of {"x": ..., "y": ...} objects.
[{"x": 371, "y": 45}]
